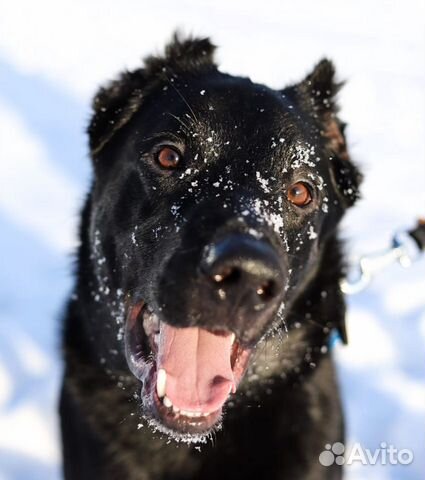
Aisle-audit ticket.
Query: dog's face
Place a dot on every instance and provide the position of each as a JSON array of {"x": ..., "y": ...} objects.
[{"x": 212, "y": 199}]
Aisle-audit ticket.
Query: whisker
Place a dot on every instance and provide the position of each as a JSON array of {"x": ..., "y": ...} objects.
[
  {"x": 184, "y": 100},
  {"x": 187, "y": 128}
]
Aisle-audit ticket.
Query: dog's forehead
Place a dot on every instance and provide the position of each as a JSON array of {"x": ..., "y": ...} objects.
[
  {"x": 228, "y": 106},
  {"x": 233, "y": 100},
  {"x": 225, "y": 113}
]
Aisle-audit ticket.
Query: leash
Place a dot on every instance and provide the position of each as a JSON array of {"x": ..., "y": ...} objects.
[{"x": 406, "y": 248}]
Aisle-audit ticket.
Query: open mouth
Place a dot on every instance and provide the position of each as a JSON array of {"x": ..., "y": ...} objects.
[{"x": 187, "y": 374}]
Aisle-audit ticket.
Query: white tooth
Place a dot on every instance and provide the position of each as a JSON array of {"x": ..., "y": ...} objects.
[
  {"x": 186, "y": 413},
  {"x": 176, "y": 410},
  {"x": 167, "y": 402},
  {"x": 190, "y": 414},
  {"x": 233, "y": 338},
  {"x": 161, "y": 380},
  {"x": 155, "y": 322}
]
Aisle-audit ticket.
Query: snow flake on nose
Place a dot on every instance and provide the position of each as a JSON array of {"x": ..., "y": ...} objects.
[
  {"x": 312, "y": 235},
  {"x": 188, "y": 171},
  {"x": 264, "y": 213},
  {"x": 263, "y": 182},
  {"x": 133, "y": 236},
  {"x": 175, "y": 209}
]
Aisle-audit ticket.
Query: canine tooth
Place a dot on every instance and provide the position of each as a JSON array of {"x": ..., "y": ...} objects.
[
  {"x": 233, "y": 338},
  {"x": 161, "y": 380},
  {"x": 147, "y": 323},
  {"x": 155, "y": 322},
  {"x": 167, "y": 402},
  {"x": 150, "y": 322}
]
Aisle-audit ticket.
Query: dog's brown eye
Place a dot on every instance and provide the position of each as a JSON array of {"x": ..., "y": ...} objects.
[
  {"x": 299, "y": 194},
  {"x": 167, "y": 157}
]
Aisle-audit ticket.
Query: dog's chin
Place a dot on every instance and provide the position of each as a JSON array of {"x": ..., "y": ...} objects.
[{"x": 183, "y": 390}]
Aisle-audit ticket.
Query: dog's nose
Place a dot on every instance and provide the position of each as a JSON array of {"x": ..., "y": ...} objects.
[{"x": 244, "y": 269}]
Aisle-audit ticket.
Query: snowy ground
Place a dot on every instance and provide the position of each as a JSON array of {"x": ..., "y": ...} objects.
[{"x": 53, "y": 55}]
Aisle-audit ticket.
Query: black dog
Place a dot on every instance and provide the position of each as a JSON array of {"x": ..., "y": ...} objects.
[{"x": 208, "y": 277}]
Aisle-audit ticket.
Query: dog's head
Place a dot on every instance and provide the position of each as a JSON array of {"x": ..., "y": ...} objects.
[{"x": 212, "y": 200}]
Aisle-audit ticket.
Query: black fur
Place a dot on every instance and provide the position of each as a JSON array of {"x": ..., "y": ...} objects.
[{"x": 142, "y": 233}]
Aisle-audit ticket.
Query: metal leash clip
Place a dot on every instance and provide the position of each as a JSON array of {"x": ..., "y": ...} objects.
[{"x": 405, "y": 249}]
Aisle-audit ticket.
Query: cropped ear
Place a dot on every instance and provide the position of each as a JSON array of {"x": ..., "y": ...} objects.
[
  {"x": 316, "y": 95},
  {"x": 116, "y": 103},
  {"x": 321, "y": 88},
  {"x": 189, "y": 55},
  {"x": 318, "y": 90},
  {"x": 113, "y": 106}
]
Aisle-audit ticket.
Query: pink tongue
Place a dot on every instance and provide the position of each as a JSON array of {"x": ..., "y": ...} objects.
[{"x": 197, "y": 362}]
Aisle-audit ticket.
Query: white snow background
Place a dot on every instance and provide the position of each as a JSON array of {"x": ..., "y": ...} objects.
[{"x": 54, "y": 54}]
